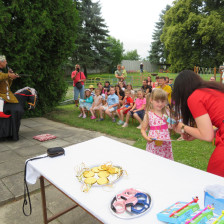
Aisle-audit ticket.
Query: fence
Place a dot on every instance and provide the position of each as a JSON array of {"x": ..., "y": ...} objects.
[
  {"x": 202, "y": 71},
  {"x": 134, "y": 80},
  {"x": 134, "y": 66}
]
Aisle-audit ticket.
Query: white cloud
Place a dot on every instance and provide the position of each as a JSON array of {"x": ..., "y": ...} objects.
[{"x": 132, "y": 22}]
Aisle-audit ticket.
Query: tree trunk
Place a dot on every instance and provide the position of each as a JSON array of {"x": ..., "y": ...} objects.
[{"x": 85, "y": 70}]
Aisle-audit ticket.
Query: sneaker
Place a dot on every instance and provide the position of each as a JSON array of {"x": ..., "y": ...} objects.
[
  {"x": 113, "y": 120},
  {"x": 101, "y": 119},
  {"x": 84, "y": 116},
  {"x": 92, "y": 117},
  {"x": 180, "y": 139},
  {"x": 140, "y": 126},
  {"x": 80, "y": 115},
  {"x": 125, "y": 125},
  {"x": 119, "y": 122}
]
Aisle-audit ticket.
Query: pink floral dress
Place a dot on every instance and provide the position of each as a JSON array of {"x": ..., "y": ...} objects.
[{"x": 159, "y": 130}]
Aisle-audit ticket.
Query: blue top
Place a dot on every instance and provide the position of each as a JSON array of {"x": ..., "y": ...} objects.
[
  {"x": 112, "y": 99},
  {"x": 89, "y": 99}
]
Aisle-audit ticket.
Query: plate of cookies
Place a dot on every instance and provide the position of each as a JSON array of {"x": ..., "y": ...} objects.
[{"x": 99, "y": 175}]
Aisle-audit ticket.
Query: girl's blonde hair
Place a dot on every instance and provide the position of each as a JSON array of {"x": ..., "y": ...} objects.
[
  {"x": 156, "y": 94},
  {"x": 140, "y": 91},
  {"x": 98, "y": 90}
]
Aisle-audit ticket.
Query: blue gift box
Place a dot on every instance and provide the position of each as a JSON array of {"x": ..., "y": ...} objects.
[
  {"x": 203, "y": 218},
  {"x": 214, "y": 195},
  {"x": 216, "y": 219},
  {"x": 179, "y": 217},
  {"x": 171, "y": 120}
]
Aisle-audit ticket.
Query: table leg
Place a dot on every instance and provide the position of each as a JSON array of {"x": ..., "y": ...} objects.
[
  {"x": 43, "y": 197},
  {"x": 44, "y": 206}
]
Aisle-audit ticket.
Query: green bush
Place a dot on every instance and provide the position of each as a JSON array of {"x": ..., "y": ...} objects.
[{"x": 37, "y": 38}]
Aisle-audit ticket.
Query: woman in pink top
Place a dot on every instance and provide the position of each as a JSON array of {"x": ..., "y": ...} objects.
[{"x": 138, "y": 110}]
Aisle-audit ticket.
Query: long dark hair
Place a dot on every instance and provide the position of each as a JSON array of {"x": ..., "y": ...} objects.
[
  {"x": 120, "y": 90},
  {"x": 185, "y": 84},
  {"x": 149, "y": 81}
]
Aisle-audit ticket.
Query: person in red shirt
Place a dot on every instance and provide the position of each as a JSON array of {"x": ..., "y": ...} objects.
[
  {"x": 78, "y": 78},
  {"x": 127, "y": 105},
  {"x": 200, "y": 104}
]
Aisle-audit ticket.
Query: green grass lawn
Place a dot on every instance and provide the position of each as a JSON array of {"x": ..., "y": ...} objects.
[{"x": 195, "y": 153}]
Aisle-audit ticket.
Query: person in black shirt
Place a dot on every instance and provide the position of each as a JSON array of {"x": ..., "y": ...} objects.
[
  {"x": 107, "y": 87},
  {"x": 146, "y": 88},
  {"x": 141, "y": 68}
]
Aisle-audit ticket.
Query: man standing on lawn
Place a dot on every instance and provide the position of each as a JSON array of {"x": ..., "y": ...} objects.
[
  {"x": 141, "y": 68},
  {"x": 141, "y": 71},
  {"x": 162, "y": 85}
]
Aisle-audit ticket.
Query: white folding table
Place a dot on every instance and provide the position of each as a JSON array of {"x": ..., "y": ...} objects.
[{"x": 166, "y": 181}]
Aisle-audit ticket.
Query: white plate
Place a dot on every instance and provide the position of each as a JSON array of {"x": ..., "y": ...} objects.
[{"x": 129, "y": 215}]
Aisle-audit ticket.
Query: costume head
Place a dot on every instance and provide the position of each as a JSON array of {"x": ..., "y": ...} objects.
[
  {"x": 2, "y": 58},
  {"x": 3, "y": 61}
]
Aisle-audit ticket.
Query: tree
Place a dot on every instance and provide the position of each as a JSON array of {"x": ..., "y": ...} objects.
[
  {"x": 37, "y": 37},
  {"x": 92, "y": 34},
  {"x": 115, "y": 51},
  {"x": 158, "y": 53},
  {"x": 192, "y": 34},
  {"x": 131, "y": 55}
]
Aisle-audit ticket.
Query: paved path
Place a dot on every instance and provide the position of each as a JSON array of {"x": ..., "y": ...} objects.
[{"x": 12, "y": 160}]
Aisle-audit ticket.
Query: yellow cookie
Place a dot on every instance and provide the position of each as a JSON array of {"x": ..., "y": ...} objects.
[
  {"x": 103, "y": 167},
  {"x": 102, "y": 180},
  {"x": 103, "y": 174},
  {"x": 158, "y": 143},
  {"x": 95, "y": 169},
  {"x": 90, "y": 180},
  {"x": 100, "y": 168},
  {"x": 113, "y": 170},
  {"x": 88, "y": 174}
]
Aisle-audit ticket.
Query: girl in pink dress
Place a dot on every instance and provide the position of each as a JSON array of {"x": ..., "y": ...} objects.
[{"x": 156, "y": 119}]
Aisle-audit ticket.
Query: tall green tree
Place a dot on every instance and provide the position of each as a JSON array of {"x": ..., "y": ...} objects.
[
  {"x": 37, "y": 37},
  {"x": 158, "y": 52},
  {"x": 115, "y": 51},
  {"x": 92, "y": 34},
  {"x": 192, "y": 34},
  {"x": 131, "y": 55}
]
